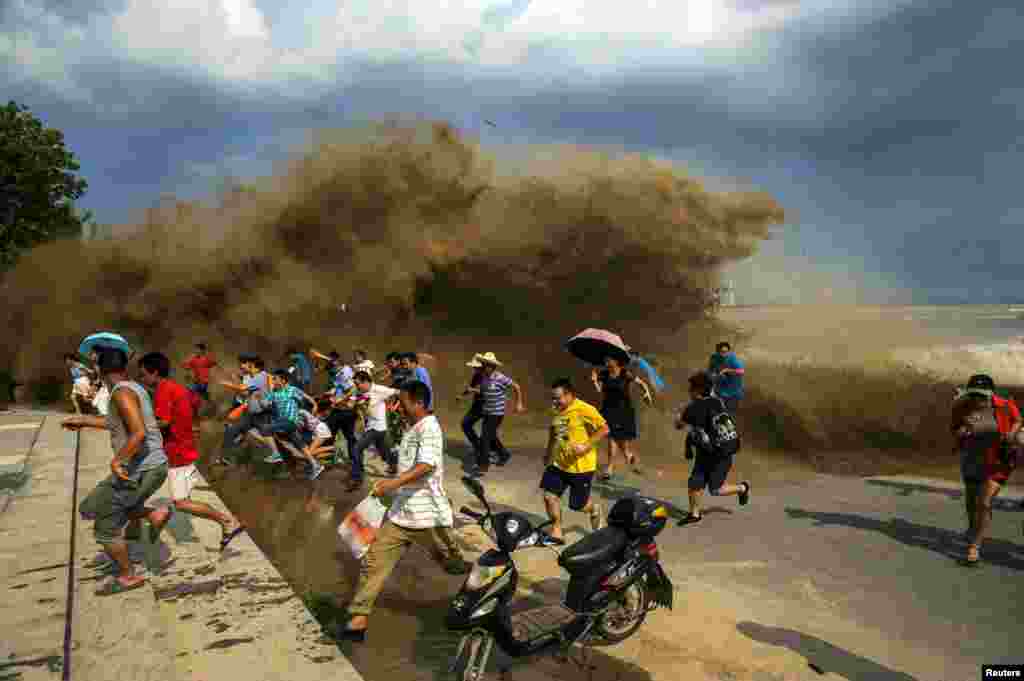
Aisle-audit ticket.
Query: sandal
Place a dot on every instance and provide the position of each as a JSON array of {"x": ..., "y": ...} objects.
[
  {"x": 691, "y": 519},
  {"x": 226, "y": 537},
  {"x": 114, "y": 587}
]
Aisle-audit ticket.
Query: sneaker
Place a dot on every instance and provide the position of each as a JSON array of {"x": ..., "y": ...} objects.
[
  {"x": 274, "y": 458},
  {"x": 317, "y": 470},
  {"x": 745, "y": 494}
]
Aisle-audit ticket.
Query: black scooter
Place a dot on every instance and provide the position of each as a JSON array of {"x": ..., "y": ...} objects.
[{"x": 616, "y": 580}]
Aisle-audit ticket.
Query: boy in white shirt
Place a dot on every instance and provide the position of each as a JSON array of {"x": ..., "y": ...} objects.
[{"x": 376, "y": 429}]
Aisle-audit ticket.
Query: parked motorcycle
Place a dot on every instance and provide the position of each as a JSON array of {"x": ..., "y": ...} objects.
[{"x": 615, "y": 580}]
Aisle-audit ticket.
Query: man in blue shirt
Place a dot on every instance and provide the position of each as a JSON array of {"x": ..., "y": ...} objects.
[
  {"x": 301, "y": 370},
  {"x": 422, "y": 375},
  {"x": 727, "y": 370}
]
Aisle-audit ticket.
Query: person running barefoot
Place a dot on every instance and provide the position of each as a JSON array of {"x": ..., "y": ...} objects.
[
  {"x": 710, "y": 468},
  {"x": 173, "y": 408},
  {"x": 571, "y": 459}
]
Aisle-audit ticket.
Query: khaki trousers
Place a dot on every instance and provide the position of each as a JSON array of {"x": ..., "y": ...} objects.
[{"x": 384, "y": 553}]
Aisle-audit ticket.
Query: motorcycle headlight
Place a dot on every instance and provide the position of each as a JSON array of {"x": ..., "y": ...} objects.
[
  {"x": 486, "y": 608},
  {"x": 483, "y": 575}
]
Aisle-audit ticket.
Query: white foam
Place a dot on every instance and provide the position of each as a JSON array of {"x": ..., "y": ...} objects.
[{"x": 1003, "y": 361}]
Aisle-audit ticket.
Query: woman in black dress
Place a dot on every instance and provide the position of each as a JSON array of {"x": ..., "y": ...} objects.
[{"x": 613, "y": 383}]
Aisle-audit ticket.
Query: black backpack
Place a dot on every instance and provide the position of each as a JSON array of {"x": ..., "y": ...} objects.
[{"x": 723, "y": 435}]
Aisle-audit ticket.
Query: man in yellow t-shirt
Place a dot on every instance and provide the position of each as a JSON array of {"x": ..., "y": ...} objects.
[{"x": 571, "y": 461}]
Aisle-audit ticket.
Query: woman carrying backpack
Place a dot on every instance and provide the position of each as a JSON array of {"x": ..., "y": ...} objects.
[
  {"x": 985, "y": 429},
  {"x": 713, "y": 433}
]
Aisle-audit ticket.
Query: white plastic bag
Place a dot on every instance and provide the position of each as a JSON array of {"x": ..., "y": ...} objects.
[{"x": 359, "y": 528}]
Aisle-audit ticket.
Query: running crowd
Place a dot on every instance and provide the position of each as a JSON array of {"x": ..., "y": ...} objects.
[{"x": 389, "y": 412}]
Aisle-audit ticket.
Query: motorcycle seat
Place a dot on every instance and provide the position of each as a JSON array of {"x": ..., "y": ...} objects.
[{"x": 596, "y": 548}]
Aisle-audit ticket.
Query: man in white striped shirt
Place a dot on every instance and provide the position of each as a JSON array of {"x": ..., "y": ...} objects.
[{"x": 419, "y": 513}]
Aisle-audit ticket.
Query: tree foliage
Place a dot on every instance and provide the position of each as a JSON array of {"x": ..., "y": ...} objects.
[{"x": 38, "y": 184}]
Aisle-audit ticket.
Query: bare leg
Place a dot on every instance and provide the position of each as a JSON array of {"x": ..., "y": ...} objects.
[
  {"x": 629, "y": 450},
  {"x": 118, "y": 550},
  {"x": 972, "y": 489},
  {"x": 611, "y": 458},
  {"x": 593, "y": 510},
  {"x": 983, "y": 518},
  {"x": 554, "y": 508},
  {"x": 728, "y": 490},
  {"x": 201, "y": 510},
  {"x": 695, "y": 501}
]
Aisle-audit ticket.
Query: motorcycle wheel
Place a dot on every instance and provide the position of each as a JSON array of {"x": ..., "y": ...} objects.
[
  {"x": 464, "y": 668},
  {"x": 625, "y": 616}
]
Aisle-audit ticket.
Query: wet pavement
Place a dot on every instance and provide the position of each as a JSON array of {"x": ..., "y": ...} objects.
[{"x": 819, "y": 575}]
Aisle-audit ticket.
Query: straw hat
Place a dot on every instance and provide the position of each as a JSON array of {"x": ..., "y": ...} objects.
[
  {"x": 487, "y": 358},
  {"x": 473, "y": 363}
]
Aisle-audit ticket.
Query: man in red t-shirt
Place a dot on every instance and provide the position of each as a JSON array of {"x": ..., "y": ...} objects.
[
  {"x": 173, "y": 405},
  {"x": 200, "y": 364}
]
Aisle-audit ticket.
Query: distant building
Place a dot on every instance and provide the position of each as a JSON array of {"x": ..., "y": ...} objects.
[{"x": 724, "y": 296}]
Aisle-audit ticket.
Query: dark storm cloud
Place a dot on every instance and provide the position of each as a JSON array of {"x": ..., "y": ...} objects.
[
  {"x": 71, "y": 11},
  {"x": 911, "y": 165}
]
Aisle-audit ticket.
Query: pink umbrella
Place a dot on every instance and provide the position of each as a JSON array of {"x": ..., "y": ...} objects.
[{"x": 593, "y": 345}]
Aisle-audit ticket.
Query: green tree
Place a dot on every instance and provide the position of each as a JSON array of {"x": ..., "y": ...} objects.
[{"x": 38, "y": 184}]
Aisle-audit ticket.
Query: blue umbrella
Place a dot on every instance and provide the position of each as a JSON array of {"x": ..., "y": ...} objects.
[
  {"x": 659, "y": 382},
  {"x": 104, "y": 339}
]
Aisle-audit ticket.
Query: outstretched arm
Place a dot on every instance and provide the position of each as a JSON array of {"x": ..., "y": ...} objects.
[
  {"x": 520, "y": 407},
  {"x": 647, "y": 390}
]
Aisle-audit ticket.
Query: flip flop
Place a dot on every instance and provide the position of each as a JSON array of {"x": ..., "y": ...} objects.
[
  {"x": 114, "y": 587},
  {"x": 226, "y": 538}
]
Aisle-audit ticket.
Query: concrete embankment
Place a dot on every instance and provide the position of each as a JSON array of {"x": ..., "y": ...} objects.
[{"x": 202, "y": 615}]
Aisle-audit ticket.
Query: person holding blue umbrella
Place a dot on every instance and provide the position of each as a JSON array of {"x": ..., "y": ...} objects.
[{"x": 105, "y": 339}]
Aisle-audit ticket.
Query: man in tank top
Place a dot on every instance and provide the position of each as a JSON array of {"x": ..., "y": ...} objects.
[{"x": 138, "y": 469}]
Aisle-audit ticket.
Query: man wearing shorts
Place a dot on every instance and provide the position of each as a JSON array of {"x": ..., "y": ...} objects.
[
  {"x": 200, "y": 365},
  {"x": 571, "y": 461},
  {"x": 710, "y": 469},
  {"x": 173, "y": 406},
  {"x": 138, "y": 469}
]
